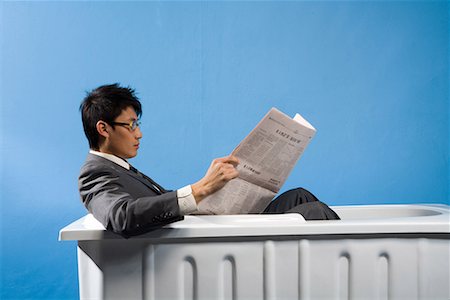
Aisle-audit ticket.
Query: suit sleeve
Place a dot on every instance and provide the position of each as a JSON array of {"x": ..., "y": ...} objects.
[{"x": 106, "y": 197}]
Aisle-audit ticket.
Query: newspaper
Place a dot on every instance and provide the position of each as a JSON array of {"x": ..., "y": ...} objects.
[{"x": 266, "y": 158}]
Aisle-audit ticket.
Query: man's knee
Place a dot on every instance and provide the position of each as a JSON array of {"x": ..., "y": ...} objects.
[{"x": 299, "y": 195}]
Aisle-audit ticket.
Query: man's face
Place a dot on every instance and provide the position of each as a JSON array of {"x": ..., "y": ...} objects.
[{"x": 122, "y": 141}]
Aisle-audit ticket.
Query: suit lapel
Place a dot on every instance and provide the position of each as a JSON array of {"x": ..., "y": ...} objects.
[
  {"x": 141, "y": 177},
  {"x": 147, "y": 181}
]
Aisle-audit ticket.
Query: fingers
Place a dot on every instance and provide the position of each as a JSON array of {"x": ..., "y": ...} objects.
[
  {"x": 222, "y": 172},
  {"x": 226, "y": 166},
  {"x": 233, "y": 160},
  {"x": 227, "y": 171}
]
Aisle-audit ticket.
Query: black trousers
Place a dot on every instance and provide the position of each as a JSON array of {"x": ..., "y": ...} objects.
[{"x": 303, "y": 202}]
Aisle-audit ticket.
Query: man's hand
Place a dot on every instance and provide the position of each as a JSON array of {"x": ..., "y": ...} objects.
[{"x": 219, "y": 173}]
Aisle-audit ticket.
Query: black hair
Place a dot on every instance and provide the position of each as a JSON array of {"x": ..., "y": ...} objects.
[{"x": 106, "y": 103}]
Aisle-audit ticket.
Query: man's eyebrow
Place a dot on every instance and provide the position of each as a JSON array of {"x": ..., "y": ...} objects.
[{"x": 130, "y": 120}]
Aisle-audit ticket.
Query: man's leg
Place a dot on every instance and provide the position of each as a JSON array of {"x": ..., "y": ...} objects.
[{"x": 303, "y": 202}]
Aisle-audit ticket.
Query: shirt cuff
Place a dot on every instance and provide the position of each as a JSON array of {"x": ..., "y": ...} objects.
[{"x": 186, "y": 200}]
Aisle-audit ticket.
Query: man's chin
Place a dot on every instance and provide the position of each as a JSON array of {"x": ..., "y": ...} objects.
[{"x": 131, "y": 155}]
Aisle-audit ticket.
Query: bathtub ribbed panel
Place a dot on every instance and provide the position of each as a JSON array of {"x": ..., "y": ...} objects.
[
  {"x": 344, "y": 277},
  {"x": 382, "y": 277},
  {"x": 148, "y": 273},
  {"x": 269, "y": 271},
  {"x": 422, "y": 249},
  {"x": 304, "y": 268},
  {"x": 188, "y": 279},
  {"x": 227, "y": 278}
]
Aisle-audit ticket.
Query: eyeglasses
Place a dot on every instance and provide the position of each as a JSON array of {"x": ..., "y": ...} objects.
[{"x": 132, "y": 125}]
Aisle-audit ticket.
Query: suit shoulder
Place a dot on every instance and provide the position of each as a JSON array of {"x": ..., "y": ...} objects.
[
  {"x": 94, "y": 167},
  {"x": 94, "y": 162}
]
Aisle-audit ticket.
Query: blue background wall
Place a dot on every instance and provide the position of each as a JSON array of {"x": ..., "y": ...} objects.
[{"x": 372, "y": 77}]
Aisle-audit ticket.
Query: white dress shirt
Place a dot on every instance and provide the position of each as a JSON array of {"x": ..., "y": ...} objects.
[{"x": 186, "y": 200}]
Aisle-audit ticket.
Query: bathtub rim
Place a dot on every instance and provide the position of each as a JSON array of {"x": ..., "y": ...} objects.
[{"x": 436, "y": 222}]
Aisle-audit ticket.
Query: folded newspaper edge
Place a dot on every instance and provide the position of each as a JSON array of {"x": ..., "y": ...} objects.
[{"x": 266, "y": 156}]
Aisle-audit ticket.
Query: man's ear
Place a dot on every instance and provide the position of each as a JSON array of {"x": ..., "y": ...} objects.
[{"x": 102, "y": 128}]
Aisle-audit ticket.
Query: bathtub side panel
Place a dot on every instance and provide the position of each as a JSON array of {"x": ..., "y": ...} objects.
[
  {"x": 299, "y": 268},
  {"x": 382, "y": 268},
  {"x": 236, "y": 270},
  {"x": 434, "y": 268},
  {"x": 204, "y": 271}
]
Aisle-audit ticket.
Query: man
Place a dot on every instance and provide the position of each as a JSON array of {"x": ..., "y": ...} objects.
[{"x": 130, "y": 203}]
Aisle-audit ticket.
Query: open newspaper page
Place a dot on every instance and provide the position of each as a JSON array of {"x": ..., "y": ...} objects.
[{"x": 266, "y": 158}]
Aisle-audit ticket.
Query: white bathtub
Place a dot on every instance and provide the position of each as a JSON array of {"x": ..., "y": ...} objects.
[{"x": 374, "y": 252}]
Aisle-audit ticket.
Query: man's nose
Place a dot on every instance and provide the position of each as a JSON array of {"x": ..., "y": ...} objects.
[{"x": 138, "y": 133}]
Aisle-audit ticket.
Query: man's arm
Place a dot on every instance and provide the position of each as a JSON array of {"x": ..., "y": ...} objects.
[{"x": 127, "y": 207}]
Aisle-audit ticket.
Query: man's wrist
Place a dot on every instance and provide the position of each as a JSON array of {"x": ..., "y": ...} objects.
[{"x": 198, "y": 192}]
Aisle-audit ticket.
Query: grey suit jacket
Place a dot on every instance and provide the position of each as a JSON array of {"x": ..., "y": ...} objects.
[{"x": 124, "y": 201}]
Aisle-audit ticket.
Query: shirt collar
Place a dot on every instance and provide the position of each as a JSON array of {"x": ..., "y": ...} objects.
[{"x": 121, "y": 162}]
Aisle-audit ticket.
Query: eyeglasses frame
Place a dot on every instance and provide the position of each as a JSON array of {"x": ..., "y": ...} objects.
[{"x": 133, "y": 123}]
